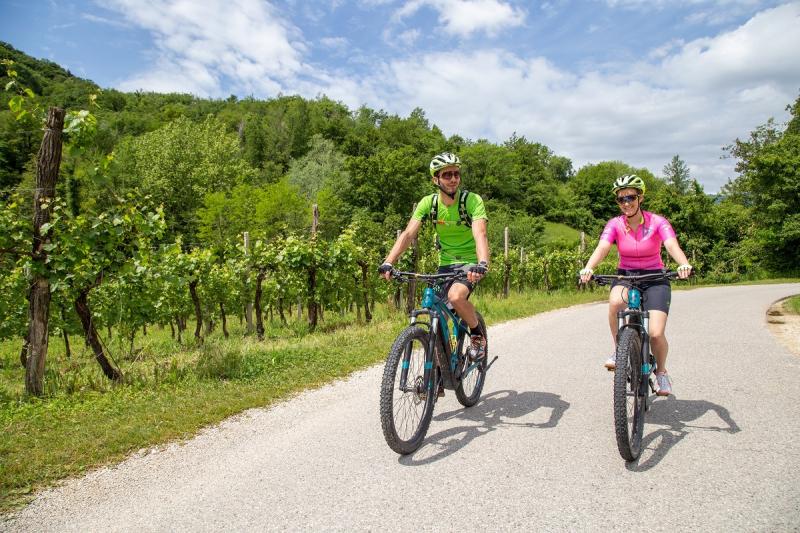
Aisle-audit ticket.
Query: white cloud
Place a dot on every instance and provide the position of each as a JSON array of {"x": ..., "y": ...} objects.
[
  {"x": 337, "y": 43},
  {"x": 104, "y": 20},
  {"x": 244, "y": 40},
  {"x": 465, "y": 17},
  {"x": 407, "y": 38}
]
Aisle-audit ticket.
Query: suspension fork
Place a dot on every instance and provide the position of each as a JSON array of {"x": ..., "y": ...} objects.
[
  {"x": 430, "y": 353},
  {"x": 647, "y": 366},
  {"x": 406, "y": 362}
]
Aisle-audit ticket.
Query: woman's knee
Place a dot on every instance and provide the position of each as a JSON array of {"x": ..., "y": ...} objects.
[{"x": 616, "y": 298}]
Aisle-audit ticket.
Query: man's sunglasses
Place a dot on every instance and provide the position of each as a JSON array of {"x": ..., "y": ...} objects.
[
  {"x": 450, "y": 174},
  {"x": 627, "y": 199}
]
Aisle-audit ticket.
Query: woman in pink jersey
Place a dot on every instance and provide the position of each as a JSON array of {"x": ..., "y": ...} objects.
[{"x": 638, "y": 235}]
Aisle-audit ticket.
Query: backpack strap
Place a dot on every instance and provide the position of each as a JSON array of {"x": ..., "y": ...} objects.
[
  {"x": 434, "y": 218},
  {"x": 434, "y": 215},
  {"x": 463, "y": 215}
]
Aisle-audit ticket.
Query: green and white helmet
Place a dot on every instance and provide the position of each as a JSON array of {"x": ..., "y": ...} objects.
[
  {"x": 445, "y": 159},
  {"x": 631, "y": 181}
]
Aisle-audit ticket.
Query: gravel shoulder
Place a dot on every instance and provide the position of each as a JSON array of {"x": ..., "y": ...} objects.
[{"x": 785, "y": 326}]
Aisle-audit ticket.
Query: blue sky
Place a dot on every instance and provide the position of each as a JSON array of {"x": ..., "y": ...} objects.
[{"x": 631, "y": 80}]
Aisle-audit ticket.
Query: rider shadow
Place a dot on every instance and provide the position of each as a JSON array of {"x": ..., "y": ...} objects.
[
  {"x": 499, "y": 409},
  {"x": 676, "y": 415}
]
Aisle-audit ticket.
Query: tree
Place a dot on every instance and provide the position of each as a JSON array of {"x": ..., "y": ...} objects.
[
  {"x": 178, "y": 165},
  {"x": 769, "y": 182},
  {"x": 676, "y": 174},
  {"x": 592, "y": 185}
]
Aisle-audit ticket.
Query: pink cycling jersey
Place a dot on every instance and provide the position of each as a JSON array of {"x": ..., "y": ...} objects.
[{"x": 640, "y": 249}]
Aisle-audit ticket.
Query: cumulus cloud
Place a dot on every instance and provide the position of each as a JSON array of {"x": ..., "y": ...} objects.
[
  {"x": 244, "y": 40},
  {"x": 465, "y": 17}
]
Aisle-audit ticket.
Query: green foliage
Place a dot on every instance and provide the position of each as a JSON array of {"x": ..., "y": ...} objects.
[
  {"x": 769, "y": 183},
  {"x": 676, "y": 175},
  {"x": 592, "y": 184},
  {"x": 179, "y": 164}
]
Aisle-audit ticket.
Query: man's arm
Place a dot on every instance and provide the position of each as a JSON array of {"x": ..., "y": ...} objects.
[
  {"x": 402, "y": 243},
  {"x": 481, "y": 248},
  {"x": 481, "y": 241}
]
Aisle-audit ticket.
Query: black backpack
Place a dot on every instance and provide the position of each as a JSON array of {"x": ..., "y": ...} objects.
[{"x": 464, "y": 217}]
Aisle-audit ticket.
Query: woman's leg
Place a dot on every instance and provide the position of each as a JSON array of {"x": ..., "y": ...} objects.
[
  {"x": 616, "y": 303},
  {"x": 658, "y": 341}
]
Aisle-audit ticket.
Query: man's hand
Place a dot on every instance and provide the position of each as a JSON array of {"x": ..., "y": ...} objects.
[
  {"x": 476, "y": 272},
  {"x": 385, "y": 270}
]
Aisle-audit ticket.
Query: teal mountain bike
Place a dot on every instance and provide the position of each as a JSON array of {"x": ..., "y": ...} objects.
[
  {"x": 635, "y": 364},
  {"x": 428, "y": 354}
]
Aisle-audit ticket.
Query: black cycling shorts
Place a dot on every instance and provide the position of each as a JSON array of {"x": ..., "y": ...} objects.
[
  {"x": 656, "y": 295},
  {"x": 447, "y": 269}
]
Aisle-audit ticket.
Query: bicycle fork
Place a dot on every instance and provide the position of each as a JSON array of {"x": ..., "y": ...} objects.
[{"x": 426, "y": 384}]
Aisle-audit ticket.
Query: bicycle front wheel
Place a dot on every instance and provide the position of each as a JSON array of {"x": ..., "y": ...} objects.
[
  {"x": 406, "y": 400},
  {"x": 472, "y": 375},
  {"x": 628, "y": 402}
]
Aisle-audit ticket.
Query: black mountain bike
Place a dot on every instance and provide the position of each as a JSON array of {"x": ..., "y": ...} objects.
[
  {"x": 429, "y": 353},
  {"x": 635, "y": 365}
]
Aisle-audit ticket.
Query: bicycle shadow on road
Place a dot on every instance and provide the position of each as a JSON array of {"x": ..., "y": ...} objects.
[
  {"x": 677, "y": 416},
  {"x": 503, "y": 408}
]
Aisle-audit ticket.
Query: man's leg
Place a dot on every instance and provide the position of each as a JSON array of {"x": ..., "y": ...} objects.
[
  {"x": 458, "y": 296},
  {"x": 459, "y": 299}
]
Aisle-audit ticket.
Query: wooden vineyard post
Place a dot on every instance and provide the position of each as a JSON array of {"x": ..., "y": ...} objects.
[{"x": 47, "y": 165}]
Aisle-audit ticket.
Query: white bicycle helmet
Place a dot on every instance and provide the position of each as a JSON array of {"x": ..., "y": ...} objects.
[
  {"x": 445, "y": 159},
  {"x": 631, "y": 181}
]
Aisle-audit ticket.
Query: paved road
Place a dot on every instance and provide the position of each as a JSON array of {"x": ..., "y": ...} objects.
[{"x": 538, "y": 453}]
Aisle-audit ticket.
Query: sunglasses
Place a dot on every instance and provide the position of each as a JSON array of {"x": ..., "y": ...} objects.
[
  {"x": 448, "y": 175},
  {"x": 627, "y": 199}
]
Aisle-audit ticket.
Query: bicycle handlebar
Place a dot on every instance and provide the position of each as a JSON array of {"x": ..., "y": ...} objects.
[
  {"x": 429, "y": 278},
  {"x": 605, "y": 279}
]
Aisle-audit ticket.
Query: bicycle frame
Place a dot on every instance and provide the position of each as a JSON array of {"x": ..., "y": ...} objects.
[
  {"x": 635, "y": 317},
  {"x": 448, "y": 341}
]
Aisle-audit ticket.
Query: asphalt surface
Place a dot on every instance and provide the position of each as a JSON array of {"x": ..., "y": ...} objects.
[{"x": 537, "y": 453}]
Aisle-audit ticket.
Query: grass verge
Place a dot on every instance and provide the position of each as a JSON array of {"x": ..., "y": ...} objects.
[
  {"x": 172, "y": 393},
  {"x": 792, "y": 305}
]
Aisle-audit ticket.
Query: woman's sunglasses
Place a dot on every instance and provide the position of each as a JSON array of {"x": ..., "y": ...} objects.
[{"x": 627, "y": 199}]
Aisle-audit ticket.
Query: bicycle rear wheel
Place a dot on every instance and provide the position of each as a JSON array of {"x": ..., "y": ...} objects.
[
  {"x": 629, "y": 404},
  {"x": 472, "y": 375},
  {"x": 406, "y": 408}
]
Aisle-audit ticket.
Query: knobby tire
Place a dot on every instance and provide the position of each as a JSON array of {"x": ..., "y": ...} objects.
[
  {"x": 628, "y": 403},
  {"x": 405, "y": 416},
  {"x": 469, "y": 388}
]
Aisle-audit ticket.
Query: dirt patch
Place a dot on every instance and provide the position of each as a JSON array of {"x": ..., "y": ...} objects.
[{"x": 785, "y": 326}]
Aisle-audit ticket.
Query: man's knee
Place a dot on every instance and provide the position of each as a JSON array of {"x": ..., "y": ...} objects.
[{"x": 458, "y": 294}]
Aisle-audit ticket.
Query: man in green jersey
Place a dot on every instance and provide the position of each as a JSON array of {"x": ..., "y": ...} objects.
[{"x": 460, "y": 220}]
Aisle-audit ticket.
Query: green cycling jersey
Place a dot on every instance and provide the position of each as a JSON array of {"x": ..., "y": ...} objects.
[{"x": 455, "y": 238}]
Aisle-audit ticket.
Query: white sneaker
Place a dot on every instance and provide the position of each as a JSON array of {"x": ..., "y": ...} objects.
[
  {"x": 611, "y": 362},
  {"x": 664, "y": 385}
]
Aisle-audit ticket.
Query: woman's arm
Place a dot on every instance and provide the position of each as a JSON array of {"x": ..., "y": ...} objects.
[
  {"x": 600, "y": 253},
  {"x": 674, "y": 250}
]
